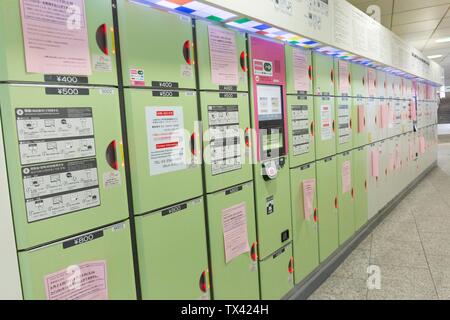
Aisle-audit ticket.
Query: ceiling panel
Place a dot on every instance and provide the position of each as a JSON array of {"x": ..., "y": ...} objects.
[
  {"x": 432, "y": 13},
  {"x": 402, "y": 5},
  {"x": 415, "y": 27}
]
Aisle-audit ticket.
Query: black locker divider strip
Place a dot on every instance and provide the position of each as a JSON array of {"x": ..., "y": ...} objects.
[
  {"x": 205, "y": 197},
  {"x": 123, "y": 116}
]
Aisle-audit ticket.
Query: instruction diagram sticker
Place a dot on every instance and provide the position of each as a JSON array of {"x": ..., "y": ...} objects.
[{"x": 301, "y": 131}]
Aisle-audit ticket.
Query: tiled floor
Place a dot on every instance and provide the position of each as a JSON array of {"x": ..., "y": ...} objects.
[{"x": 411, "y": 248}]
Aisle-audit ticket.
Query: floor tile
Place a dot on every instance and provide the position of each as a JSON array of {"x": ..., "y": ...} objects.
[{"x": 336, "y": 288}]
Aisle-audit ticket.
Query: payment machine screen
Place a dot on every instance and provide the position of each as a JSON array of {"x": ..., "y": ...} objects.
[{"x": 270, "y": 103}]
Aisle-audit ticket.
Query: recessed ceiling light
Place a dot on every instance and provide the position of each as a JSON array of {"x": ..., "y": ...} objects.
[
  {"x": 435, "y": 56},
  {"x": 442, "y": 40}
]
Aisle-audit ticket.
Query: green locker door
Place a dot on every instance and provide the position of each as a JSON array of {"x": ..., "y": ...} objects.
[
  {"x": 344, "y": 124},
  {"x": 301, "y": 130},
  {"x": 299, "y": 71},
  {"x": 325, "y": 126},
  {"x": 345, "y": 196},
  {"x": 156, "y": 46},
  {"x": 64, "y": 160},
  {"x": 361, "y": 156},
  {"x": 233, "y": 277},
  {"x": 277, "y": 274},
  {"x": 226, "y": 123},
  {"x": 375, "y": 176},
  {"x": 359, "y": 123},
  {"x": 217, "y": 40},
  {"x": 164, "y": 147},
  {"x": 101, "y": 59},
  {"x": 327, "y": 199},
  {"x": 323, "y": 74},
  {"x": 305, "y": 238},
  {"x": 273, "y": 210},
  {"x": 172, "y": 253},
  {"x": 359, "y": 80},
  {"x": 93, "y": 266}
]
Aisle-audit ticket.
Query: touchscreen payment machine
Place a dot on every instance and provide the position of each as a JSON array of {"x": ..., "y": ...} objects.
[{"x": 271, "y": 170}]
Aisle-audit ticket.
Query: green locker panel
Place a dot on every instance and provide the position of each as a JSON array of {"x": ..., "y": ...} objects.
[
  {"x": 327, "y": 199},
  {"x": 344, "y": 124},
  {"x": 360, "y": 122},
  {"x": 343, "y": 87},
  {"x": 63, "y": 159},
  {"x": 323, "y": 74},
  {"x": 226, "y": 50},
  {"x": 361, "y": 157},
  {"x": 381, "y": 84},
  {"x": 374, "y": 179},
  {"x": 277, "y": 274},
  {"x": 373, "y": 120},
  {"x": 156, "y": 47},
  {"x": 227, "y": 147},
  {"x": 383, "y": 188},
  {"x": 164, "y": 147},
  {"x": 305, "y": 238},
  {"x": 92, "y": 266},
  {"x": 172, "y": 253},
  {"x": 273, "y": 210},
  {"x": 299, "y": 71},
  {"x": 325, "y": 126},
  {"x": 346, "y": 194},
  {"x": 233, "y": 276},
  {"x": 99, "y": 25},
  {"x": 301, "y": 130},
  {"x": 359, "y": 80}
]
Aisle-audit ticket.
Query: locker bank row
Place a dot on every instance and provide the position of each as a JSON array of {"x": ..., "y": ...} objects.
[{"x": 106, "y": 171}]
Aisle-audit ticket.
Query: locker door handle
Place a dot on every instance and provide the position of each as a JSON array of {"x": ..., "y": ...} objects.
[
  {"x": 334, "y": 126},
  {"x": 203, "y": 282},
  {"x": 312, "y": 129},
  {"x": 316, "y": 217},
  {"x": 253, "y": 252},
  {"x": 332, "y": 76},
  {"x": 365, "y": 185},
  {"x": 310, "y": 73},
  {"x": 247, "y": 137},
  {"x": 111, "y": 155},
  {"x": 291, "y": 266},
  {"x": 243, "y": 60},
  {"x": 193, "y": 148},
  {"x": 187, "y": 52},
  {"x": 350, "y": 79},
  {"x": 336, "y": 202},
  {"x": 364, "y": 81},
  {"x": 101, "y": 38},
  {"x": 351, "y": 123},
  {"x": 353, "y": 193}
]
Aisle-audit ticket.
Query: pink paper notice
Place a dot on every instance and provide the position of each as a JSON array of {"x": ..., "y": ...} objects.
[
  {"x": 87, "y": 281},
  {"x": 301, "y": 76},
  {"x": 361, "y": 119},
  {"x": 422, "y": 144},
  {"x": 346, "y": 177},
  {"x": 223, "y": 53},
  {"x": 234, "y": 222},
  {"x": 375, "y": 163},
  {"x": 413, "y": 110},
  {"x": 344, "y": 84},
  {"x": 309, "y": 190},
  {"x": 55, "y": 37}
]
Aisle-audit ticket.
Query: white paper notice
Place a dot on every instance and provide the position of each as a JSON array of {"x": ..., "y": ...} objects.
[
  {"x": 234, "y": 222},
  {"x": 55, "y": 37},
  {"x": 326, "y": 123},
  {"x": 166, "y": 141},
  {"x": 223, "y": 53},
  {"x": 301, "y": 76},
  {"x": 87, "y": 281}
]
